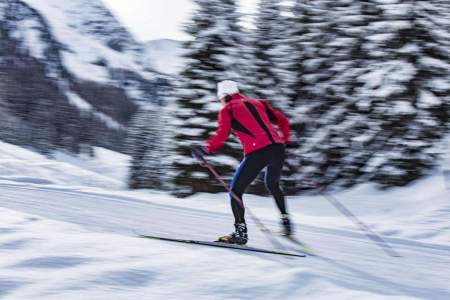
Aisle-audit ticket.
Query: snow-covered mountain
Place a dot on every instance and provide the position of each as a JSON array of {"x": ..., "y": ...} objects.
[
  {"x": 74, "y": 52},
  {"x": 166, "y": 55},
  {"x": 84, "y": 36}
]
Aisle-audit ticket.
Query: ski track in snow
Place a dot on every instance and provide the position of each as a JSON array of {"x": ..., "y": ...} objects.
[{"x": 92, "y": 254}]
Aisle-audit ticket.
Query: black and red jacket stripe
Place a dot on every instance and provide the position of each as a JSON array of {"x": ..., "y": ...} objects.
[{"x": 252, "y": 122}]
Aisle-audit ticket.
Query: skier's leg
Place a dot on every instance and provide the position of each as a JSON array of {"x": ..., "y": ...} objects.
[
  {"x": 272, "y": 181},
  {"x": 245, "y": 174},
  {"x": 272, "y": 178},
  {"x": 248, "y": 170}
]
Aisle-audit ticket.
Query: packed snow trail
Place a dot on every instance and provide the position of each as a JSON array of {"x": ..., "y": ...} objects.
[{"x": 347, "y": 261}]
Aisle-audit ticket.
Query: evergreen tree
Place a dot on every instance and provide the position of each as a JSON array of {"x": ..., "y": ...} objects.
[
  {"x": 267, "y": 70},
  {"x": 384, "y": 94},
  {"x": 311, "y": 100},
  {"x": 8, "y": 122},
  {"x": 145, "y": 148},
  {"x": 212, "y": 55},
  {"x": 338, "y": 59},
  {"x": 406, "y": 90}
]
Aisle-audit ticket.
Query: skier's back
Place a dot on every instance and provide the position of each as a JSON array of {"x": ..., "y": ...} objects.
[{"x": 264, "y": 147}]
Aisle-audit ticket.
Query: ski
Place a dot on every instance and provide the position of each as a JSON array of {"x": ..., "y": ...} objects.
[
  {"x": 303, "y": 247},
  {"x": 223, "y": 245}
]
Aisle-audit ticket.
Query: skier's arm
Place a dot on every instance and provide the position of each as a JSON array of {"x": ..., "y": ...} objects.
[
  {"x": 278, "y": 118},
  {"x": 223, "y": 131}
]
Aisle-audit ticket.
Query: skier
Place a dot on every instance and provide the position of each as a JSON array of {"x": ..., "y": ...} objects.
[{"x": 264, "y": 147}]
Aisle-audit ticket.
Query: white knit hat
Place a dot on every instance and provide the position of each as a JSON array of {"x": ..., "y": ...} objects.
[{"x": 226, "y": 87}]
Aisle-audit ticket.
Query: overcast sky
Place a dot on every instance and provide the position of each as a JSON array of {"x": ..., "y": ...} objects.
[{"x": 156, "y": 19}]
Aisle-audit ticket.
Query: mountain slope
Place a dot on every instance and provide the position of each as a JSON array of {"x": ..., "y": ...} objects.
[
  {"x": 91, "y": 42},
  {"x": 77, "y": 56}
]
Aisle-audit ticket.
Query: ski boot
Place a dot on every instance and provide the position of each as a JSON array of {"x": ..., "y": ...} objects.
[
  {"x": 239, "y": 236},
  {"x": 287, "y": 226}
]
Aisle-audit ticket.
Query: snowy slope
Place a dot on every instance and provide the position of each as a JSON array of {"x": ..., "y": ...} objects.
[
  {"x": 77, "y": 242},
  {"x": 90, "y": 253},
  {"x": 446, "y": 161},
  {"x": 82, "y": 53},
  {"x": 166, "y": 55},
  {"x": 93, "y": 42},
  {"x": 107, "y": 170}
]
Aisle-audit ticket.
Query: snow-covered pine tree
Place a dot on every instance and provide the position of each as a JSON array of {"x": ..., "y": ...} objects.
[
  {"x": 270, "y": 73},
  {"x": 383, "y": 61},
  {"x": 312, "y": 99},
  {"x": 231, "y": 38},
  {"x": 331, "y": 36},
  {"x": 40, "y": 119},
  {"x": 145, "y": 142},
  {"x": 298, "y": 40},
  {"x": 270, "y": 53},
  {"x": 211, "y": 57},
  {"x": 8, "y": 122},
  {"x": 406, "y": 89},
  {"x": 291, "y": 76}
]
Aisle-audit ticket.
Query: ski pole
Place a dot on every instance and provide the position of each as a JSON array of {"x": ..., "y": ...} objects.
[
  {"x": 363, "y": 227},
  {"x": 257, "y": 221}
]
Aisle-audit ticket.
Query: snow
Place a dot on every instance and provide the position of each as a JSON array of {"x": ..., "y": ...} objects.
[
  {"x": 105, "y": 170},
  {"x": 428, "y": 99},
  {"x": 388, "y": 78},
  {"x": 387, "y": 1},
  {"x": 403, "y": 107},
  {"x": 445, "y": 150},
  {"x": 364, "y": 138},
  {"x": 409, "y": 48},
  {"x": 430, "y": 62},
  {"x": 191, "y": 131},
  {"x": 380, "y": 37},
  {"x": 197, "y": 120},
  {"x": 76, "y": 239},
  {"x": 83, "y": 105},
  {"x": 78, "y": 102},
  {"x": 2, "y": 9},
  {"x": 166, "y": 56},
  {"x": 398, "y": 10},
  {"x": 82, "y": 47},
  {"x": 85, "y": 70},
  {"x": 392, "y": 25},
  {"x": 110, "y": 164},
  {"x": 224, "y": 160},
  {"x": 28, "y": 33},
  {"x": 375, "y": 162},
  {"x": 110, "y": 122},
  {"x": 440, "y": 84},
  {"x": 92, "y": 45}
]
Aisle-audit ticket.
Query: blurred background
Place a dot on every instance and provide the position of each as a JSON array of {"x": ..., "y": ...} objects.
[{"x": 366, "y": 85}]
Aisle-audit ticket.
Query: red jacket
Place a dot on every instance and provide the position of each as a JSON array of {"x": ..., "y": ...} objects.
[{"x": 251, "y": 121}]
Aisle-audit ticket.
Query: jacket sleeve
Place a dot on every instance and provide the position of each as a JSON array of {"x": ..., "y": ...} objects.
[
  {"x": 223, "y": 131},
  {"x": 279, "y": 119}
]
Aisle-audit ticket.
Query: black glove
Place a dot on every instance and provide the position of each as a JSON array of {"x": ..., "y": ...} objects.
[{"x": 199, "y": 153}]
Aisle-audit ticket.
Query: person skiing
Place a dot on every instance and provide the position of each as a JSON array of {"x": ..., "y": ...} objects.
[{"x": 252, "y": 121}]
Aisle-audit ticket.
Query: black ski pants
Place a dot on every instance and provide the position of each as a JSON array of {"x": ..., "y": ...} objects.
[{"x": 272, "y": 158}]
